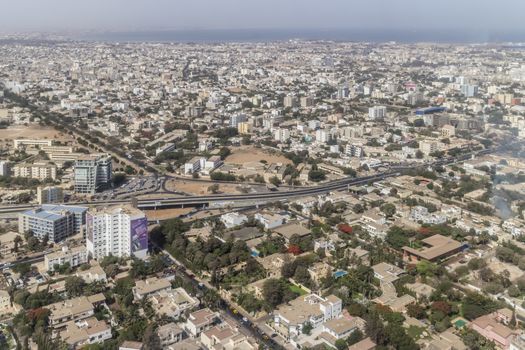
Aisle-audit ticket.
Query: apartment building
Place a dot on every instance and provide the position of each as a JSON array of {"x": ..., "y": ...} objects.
[
  {"x": 73, "y": 256},
  {"x": 92, "y": 173},
  {"x": 74, "y": 309},
  {"x": 144, "y": 288},
  {"x": 120, "y": 230},
  {"x": 49, "y": 194},
  {"x": 78, "y": 334},
  {"x": 38, "y": 171},
  {"x": 57, "y": 222},
  {"x": 172, "y": 303},
  {"x": 200, "y": 321}
]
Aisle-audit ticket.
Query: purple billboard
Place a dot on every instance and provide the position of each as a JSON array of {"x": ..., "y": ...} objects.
[{"x": 139, "y": 234}]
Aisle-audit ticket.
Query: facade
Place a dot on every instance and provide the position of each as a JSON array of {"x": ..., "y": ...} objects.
[
  {"x": 194, "y": 165},
  {"x": 233, "y": 219},
  {"x": 200, "y": 321},
  {"x": 22, "y": 143},
  {"x": 85, "y": 332},
  {"x": 57, "y": 222},
  {"x": 50, "y": 194},
  {"x": 92, "y": 173},
  {"x": 39, "y": 171},
  {"x": 74, "y": 257},
  {"x": 289, "y": 319},
  {"x": 169, "y": 334},
  {"x": 120, "y": 231},
  {"x": 428, "y": 147},
  {"x": 282, "y": 135},
  {"x": 4, "y": 168},
  {"x": 244, "y": 128},
  {"x": 236, "y": 119},
  {"x": 377, "y": 112}
]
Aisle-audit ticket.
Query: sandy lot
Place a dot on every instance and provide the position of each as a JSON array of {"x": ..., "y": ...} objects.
[
  {"x": 498, "y": 267},
  {"x": 32, "y": 132},
  {"x": 164, "y": 214},
  {"x": 194, "y": 187},
  {"x": 241, "y": 155}
]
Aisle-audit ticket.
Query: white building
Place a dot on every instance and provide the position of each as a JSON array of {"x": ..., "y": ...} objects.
[
  {"x": 92, "y": 173},
  {"x": 282, "y": 135},
  {"x": 74, "y": 257},
  {"x": 4, "y": 168},
  {"x": 39, "y": 171},
  {"x": 233, "y": 219},
  {"x": 377, "y": 112},
  {"x": 311, "y": 309},
  {"x": 269, "y": 221},
  {"x": 194, "y": 165},
  {"x": 428, "y": 147},
  {"x": 121, "y": 231},
  {"x": 323, "y": 136}
]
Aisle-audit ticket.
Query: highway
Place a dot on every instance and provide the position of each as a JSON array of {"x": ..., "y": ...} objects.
[{"x": 165, "y": 201}]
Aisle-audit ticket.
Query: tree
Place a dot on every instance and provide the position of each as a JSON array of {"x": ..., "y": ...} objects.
[
  {"x": 307, "y": 328},
  {"x": 275, "y": 181},
  {"x": 419, "y": 154},
  {"x": 17, "y": 242},
  {"x": 388, "y": 209},
  {"x": 213, "y": 188},
  {"x": 74, "y": 286},
  {"x": 358, "y": 208},
  {"x": 416, "y": 311},
  {"x": 273, "y": 292},
  {"x": 224, "y": 152}
]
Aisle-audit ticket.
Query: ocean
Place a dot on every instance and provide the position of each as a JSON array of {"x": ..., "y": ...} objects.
[{"x": 270, "y": 35}]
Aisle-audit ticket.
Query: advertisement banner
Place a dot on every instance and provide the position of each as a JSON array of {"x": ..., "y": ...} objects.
[{"x": 139, "y": 234}]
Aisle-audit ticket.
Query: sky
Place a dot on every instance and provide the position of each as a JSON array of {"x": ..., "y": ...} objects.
[{"x": 138, "y": 15}]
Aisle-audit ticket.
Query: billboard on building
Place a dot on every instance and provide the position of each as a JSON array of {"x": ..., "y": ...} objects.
[{"x": 139, "y": 234}]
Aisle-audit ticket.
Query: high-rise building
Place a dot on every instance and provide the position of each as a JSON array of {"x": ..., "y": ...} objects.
[
  {"x": 4, "y": 168},
  {"x": 377, "y": 112},
  {"x": 120, "y": 231},
  {"x": 469, "y": 90},
  {"x": 57, "y": 222},
  {"x": 307, "y": 101},
  {"x": 92, "y": 173},
  {"x": 282, "y": 135},
  {"x": 50, "y": 194},
  {"x": 244, "y": 128},
  {"x": 236, "y": 119},
  {"x": 323, "y": 136},
  {"x": 290, "y": 101}
]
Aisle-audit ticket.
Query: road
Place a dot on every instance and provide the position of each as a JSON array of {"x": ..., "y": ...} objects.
[
  {"x": 248, "y": 328},
  {"x": 165, "y": 201}
]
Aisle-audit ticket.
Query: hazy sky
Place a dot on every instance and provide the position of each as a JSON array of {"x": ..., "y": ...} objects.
[{"x": 45, "y": 15}]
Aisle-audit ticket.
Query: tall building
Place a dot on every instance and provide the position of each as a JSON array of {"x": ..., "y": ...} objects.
[
  {"x": 290, "y": 101},
  {"x": 57, "y": 222},
  {"x": 50, "y": 194},
  {"x": 307, "y": 101},
  {"x": 236, "y": 119},
  {"x": 377, "y": 112},
  {"x": 92, "y": 173},
  {"x": 282, "y": 135},
  {"x": 244, "y": 128},
  {"x": 120, "y": 231},
  {"x": 469, "y": 90},
  {"x": 323, "y": 136},
  {"x": 4, "y": 168}
]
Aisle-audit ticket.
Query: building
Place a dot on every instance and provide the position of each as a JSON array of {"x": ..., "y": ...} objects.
[
  {"x": 121, "y": 231},
  {"x": 290, "y": 101},
  {"x": 289, "y": 319},
  {"x": 233, "y": 219},
  {"x": 306, "y": 101},
  {"x": 169, "y": 334},
  {"x": 469, "y": 90},
  {"x": 84, "y": 332},
  {"x": 323, "y": 136},
  {"x": 489, "y": 328},
  {"x": 92, "y": 173},
  {"x": 172, "y": 303},
  {"x": 75, "y": 309},
  {"x": 281, "y": 135},
  {"x": 23, "y": 143},
  {"x": 200, "y": 321},
  {"x": 57, "y": 222},
  {"x": 244, "y": 128},
  {"x": 49, "y": 194},
  {"x": 354, "y": 151},
  {"x": 5, "y": 301},
  {"x": 144, "y": 288},
  {"x": 428, "y": 147},
  {"x": 39, "y": 171},
  {"x": 269, "y": 221},
  {"x": 236, "y": 119},
  {"x": 448, "y": 131},
  {"x": 73, "y": 256},
  {"x": 4, "y": 168},
  {"x": 194, "y": 165},
  {"x": 435, "y": 248},
  {"x": 376, "y": 112}
]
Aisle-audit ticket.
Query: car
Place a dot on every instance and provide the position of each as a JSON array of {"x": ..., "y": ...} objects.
[{"x": 244, "y": 319}]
